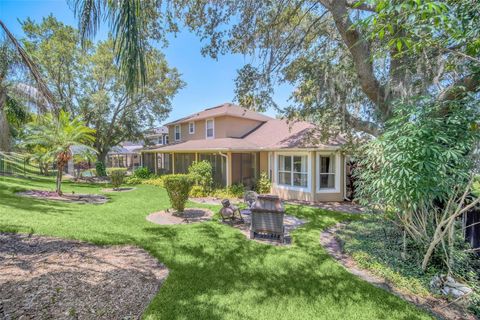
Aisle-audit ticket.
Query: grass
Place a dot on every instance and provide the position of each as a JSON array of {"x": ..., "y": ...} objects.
[{"x": 215, "y": 272}]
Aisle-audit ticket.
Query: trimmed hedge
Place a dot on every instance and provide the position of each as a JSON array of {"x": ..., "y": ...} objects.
[
  {"x": 178, "y": 187},
  {"x": 117, "y": 176}
]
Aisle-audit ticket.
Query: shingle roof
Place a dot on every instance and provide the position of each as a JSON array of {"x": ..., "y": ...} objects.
[
  {"x": 274, "y": 134},
  {"x": 226, "y": 109}
]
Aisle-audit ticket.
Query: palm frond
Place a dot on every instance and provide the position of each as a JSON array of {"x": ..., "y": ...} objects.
[
  {"x": 32, "y": 67},
  {"x": 89, "y": 14}
]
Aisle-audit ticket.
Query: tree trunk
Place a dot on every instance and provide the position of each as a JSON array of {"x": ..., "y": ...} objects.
[
  {"x": 59, "y": 178},
  {"x": 4, "y": 127},
  {"x": 101, "y": 157}
]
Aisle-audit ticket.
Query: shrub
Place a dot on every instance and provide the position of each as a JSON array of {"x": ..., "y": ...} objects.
[
  {"x": 178, "y": 188},
  {"x": 263, "y": 184},
  {"x": 133, "y": 180},
  {"x": 197, "y": 192},
  {"x": 142, "y": 173},
  {"x": 110, "y": 170},
  {"x": 117, "y": 176},
  {"x": 237, "y": 190},
  {"x": 100, "y": 169},
  {"x": 154, "y": 181},
  {"x": 202, "y": 173}
]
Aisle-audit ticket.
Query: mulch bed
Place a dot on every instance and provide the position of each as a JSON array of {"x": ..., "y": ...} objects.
[
  {"x": 439, "y": 307},
  {"x": 51, "y": 278},
  {"x": 70, "y": 197},
  {"x": 190, "y": 215}
]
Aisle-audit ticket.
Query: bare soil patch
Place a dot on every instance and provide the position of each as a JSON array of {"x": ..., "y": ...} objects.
[
  {"x": 190, "y": 215},
  {"x": 70, "y": 197},
  {"x": 439, "y": 307},
  {"x": 51, "y": 278}
]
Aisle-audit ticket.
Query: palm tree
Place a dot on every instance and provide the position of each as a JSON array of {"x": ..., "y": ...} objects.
[
  {"x": 128, "y": 23},
  {"x": 11, "y": 55},
  {"x": 57, "y": 135}
]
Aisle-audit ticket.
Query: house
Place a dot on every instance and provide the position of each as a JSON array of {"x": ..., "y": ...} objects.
[
  {"x": 127, "y": 154},
  {"x": 241, "y": 143}
]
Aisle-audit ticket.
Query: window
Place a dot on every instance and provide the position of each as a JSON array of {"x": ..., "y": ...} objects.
[
  {"x": 191, "y": 127},
  {"x": 177, "y": 133},
  {"x": 327, "y": 177},
  {"x": 160, "y": 140},
  {"x": 293, "y": 170},
  {"x": 166, "y": 139},
  {"x": 209, "y": 129}
]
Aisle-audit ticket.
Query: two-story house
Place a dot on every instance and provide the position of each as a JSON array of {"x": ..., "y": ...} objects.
[{"x": 241, "y": 143}]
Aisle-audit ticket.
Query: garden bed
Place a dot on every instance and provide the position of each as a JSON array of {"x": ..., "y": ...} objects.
[
  {"x": 51, "y": 278},
  {"x": 71, "y": 197},
  {"x": 364, "y": 248},
  {"x": 190, "y": 215}
]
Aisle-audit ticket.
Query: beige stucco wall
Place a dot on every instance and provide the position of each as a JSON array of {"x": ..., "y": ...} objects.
[
  {"x": 311, "y": 194},
  {"x": 224, "y": 127}
]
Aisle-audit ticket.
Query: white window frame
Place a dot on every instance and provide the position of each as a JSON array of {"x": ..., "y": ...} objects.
[
  {"x": 191, "y": 130},
  {"x": 179, "y": 132},
  {"x": 337, "y": 172},
  {"x": 206, "y": 129},
  {"x": 309, "y": 171},
  {"x": 165, "y": 139}
]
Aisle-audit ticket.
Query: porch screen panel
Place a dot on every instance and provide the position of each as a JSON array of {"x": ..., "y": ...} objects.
[
  {"x": 219, "y": 167},
  {"x": 183, "y": 161},
  {"x": 149, "y": 161}
]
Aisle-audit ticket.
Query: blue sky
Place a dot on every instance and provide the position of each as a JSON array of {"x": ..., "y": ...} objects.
[{"x": 209, "y": 82}]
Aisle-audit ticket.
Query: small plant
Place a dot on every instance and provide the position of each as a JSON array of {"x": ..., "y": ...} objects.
[
  {"x": 197, "y": 192},
  {"x": 263, "y": 184},
  {"x": 237, "y": 190},
  {"x": 178, "y": 188},
  {"x": 202, "y": 173},
  {"x": 100, "y": 169},
  {"x": 117, "y": 177},
  {"x": 154, "y": 181},
  {"x": 142, "y": 173},
  {"x": 133, "y": 180}
]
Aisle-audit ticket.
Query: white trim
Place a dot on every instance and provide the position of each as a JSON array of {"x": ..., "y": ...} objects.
[
  {"x": 213, "y": 128},
  {"x": 179, "y": 132},
  {"x": 165, "y": 139},
  {"x": 308, "y": 188},
  {"x": 191, "y": 131},
  {"x": 337, "y": 172}
]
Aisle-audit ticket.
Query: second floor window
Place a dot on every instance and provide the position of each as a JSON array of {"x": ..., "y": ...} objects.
[
  {"x": 191, "y": 127},
  {"x": 210, "y": 131},
  {"x": 177, "y": 133}
]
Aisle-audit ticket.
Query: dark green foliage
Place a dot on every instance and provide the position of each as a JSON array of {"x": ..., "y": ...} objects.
[
  {"x": 117, "y": 176},
  {"x": 375, "y": 244},
  {"x": 178, "y": 188},
  {"x": 100, "y": 169},
  {"x": 424, "y": 154},
  {"x": 263, "y": 184},
  {"x": 237, "y": 190},
  {"x": 142, "y": 173},
  {"x": 202, "y": 173}
]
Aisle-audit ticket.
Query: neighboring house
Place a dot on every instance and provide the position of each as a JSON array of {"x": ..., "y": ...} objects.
[
  {"x": 127, "y": 154},
  {"x": 241, "y": 143}
]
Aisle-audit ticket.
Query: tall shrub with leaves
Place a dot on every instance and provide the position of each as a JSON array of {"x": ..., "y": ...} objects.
[
  {"x": 178, "y": 187},
  {"x": 202, "y": 173},
  {"x": 420, "y": 163}
]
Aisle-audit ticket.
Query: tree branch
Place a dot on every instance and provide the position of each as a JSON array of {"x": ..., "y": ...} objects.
[
  {"x": 362, "y": 125},
  {"x": 458, "y": 89},
  {"x": 361, "y": 54},
  {"x": 360, "y": 5}
]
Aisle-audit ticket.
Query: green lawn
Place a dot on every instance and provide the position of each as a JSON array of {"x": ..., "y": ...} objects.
[{"x": 215, "y": 272}]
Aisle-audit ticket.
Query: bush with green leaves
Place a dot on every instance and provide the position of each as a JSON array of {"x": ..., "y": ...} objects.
[
  {"x": 116, "y": 177},
  {"x": 153, "y": 181},
  {"x": 142, "y": 173},
  {"x": 110, "y": 170},
  {"x": 202, "y": 173},
  {"x": 418, "y": 170},
  {"x": 100, "y": 169},
  {"x": 178, "y": 188},
  {"x": 133, "y": 180},
  {"x": 263, "y": 183},
  {"x": 198, "y": 192}
]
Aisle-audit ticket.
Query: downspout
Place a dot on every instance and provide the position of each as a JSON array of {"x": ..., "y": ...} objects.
[
  {"x": 226, "y": 166},
  {"x": 345, "y": 179}
]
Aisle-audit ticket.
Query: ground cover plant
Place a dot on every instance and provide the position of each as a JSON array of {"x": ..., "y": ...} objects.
[{"x": 215, "y": 272}]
